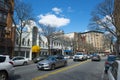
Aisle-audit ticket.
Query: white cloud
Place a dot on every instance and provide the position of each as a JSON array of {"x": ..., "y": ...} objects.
[
  {"x": 53, "y": 21},
  {"x": 57, "y": 10}
]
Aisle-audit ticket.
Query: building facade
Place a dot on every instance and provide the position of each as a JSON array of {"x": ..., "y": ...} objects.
[
  {"x": 32, "y": 38},
  {"x": 6, "y": 29},
  {"x": 94, "y": 39}
]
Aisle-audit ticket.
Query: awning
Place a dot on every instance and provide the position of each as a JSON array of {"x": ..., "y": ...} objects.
[
  {"x": 68, "y": 51},
  {"x": 36, "y": 49}
]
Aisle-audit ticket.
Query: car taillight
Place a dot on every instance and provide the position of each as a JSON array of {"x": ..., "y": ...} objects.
[
  {"x": 11, "y": 62},
  {"x": 106, "y": 62}
]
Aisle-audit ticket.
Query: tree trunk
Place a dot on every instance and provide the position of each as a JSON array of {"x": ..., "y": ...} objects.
[
  {"x": 117, "y": 24},
  {"x": 49, "y": 47},
  {"x": 19, "y": 47}
]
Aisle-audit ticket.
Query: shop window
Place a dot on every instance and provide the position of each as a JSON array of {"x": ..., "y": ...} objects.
[{"x": 27, "y": 54}]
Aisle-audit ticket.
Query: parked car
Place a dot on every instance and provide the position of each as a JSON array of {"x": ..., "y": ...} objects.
[
  {"x": 88, "y": 56},
  {"x": 52, "y": 62},
  {"x": 109, "y": 61},
  {"x": 95, "y": 57},
  {"x": 79, "y": 56},
  {"x": 6, "y": 67},
  {"x": 19, "y": 60},
  {"x": 85, "y": 56},
  {"x": 67, "y": 56},
  {"x": 114, "y": 71},
  {"x": 40, "y": 58}
]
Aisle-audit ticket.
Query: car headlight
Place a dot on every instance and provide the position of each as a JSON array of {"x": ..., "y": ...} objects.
[
  {"x": 46, "y": 64},
  {"x": 80, "y": 57}
]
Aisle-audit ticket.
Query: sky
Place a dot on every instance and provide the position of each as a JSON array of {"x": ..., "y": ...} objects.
[{"x": 67, "y": 15}]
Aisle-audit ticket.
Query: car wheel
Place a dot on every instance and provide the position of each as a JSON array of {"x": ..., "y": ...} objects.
[
  {"x": 65, "y": 64},
  {"x": 74, "y": 60},
  {"x": 25, "y": 63},
  {"x": 52, "y": 67},
  {"x": 3, "y": 75}
]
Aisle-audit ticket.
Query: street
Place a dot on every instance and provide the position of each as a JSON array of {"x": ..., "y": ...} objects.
[{"x": 79, "y": 70}]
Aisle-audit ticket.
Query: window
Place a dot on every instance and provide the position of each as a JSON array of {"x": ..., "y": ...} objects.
[
  {"x": 28, "y": 43},
  {"x": 2, "y": 3},
  {"x": 3, "y": 17},
  {"x": 2, "y": 32},
  {"x": 27, "y": 54},
  {"x": 2, "y": 59},
  {"x": 34, "y": 35},
  {"x": 23, "y": 41}
]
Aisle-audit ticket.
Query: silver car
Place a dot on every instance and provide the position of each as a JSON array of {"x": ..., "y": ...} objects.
[
  {"x": 79, "y": 56},
  {"x": 19, "y": 60},
  {"x": 6, "y": 68},
  {"x": 52, "y": 62}
]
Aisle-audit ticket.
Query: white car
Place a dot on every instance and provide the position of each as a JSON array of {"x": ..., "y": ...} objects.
[
  {"x": 19, "y": 60},
  {"x": 6, "y": 68},
  {"x": 114, "y": 71},
  {"x": 79, "y": 56}
]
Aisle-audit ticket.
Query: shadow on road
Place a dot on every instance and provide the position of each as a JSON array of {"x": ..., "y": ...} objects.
[{"x": 16, "y": 77}]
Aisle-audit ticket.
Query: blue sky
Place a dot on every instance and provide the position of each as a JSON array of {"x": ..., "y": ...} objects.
[{"x": 68, "y": 15}]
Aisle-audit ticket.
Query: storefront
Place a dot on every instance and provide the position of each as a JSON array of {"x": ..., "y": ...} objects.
[
  {"x": 68, "y": 52},
  {"x": 35, "y": 51},
  {"x": 56, "y": 51}
]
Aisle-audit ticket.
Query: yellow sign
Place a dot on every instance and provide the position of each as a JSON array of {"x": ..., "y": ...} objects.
[{"x": 36, "y": 49}]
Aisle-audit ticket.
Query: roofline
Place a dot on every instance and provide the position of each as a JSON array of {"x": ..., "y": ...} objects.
[{"x": 92, "y": 31}]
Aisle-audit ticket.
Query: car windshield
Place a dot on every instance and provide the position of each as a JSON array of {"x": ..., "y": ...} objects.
[
  {"x": 51, "y": 58},
  {"x": 78, "y": 53},
  {"x": 2, "y": 59}
]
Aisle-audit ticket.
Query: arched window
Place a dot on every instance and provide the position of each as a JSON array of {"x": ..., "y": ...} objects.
[{"x": 34, "y": 35}]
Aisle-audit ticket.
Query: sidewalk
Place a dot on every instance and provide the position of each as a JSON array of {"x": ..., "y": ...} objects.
[{"x": 30, "y": 62}]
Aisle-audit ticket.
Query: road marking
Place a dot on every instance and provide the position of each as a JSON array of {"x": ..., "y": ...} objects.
[{"x": 57, "y": 71}]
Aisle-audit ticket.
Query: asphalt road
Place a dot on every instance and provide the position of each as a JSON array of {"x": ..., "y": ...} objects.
[{"x": 80, "y": 70}]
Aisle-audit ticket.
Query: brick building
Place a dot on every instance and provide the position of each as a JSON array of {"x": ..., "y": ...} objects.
[{"x": 6, "y": 29}]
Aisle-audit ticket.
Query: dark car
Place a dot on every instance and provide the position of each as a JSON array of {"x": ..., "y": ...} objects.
[
  {"x": 95, "y": 57},
  {"x": 109, "y": 61}
]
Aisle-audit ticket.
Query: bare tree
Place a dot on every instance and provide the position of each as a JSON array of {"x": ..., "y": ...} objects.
[
  {"x": 48, "y": 32},
  {"x": 105, "y": 18},
  {"x": 22, "y": 16},
  {"x": 108, "y": 42}
]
